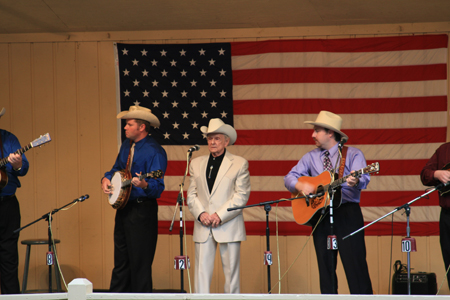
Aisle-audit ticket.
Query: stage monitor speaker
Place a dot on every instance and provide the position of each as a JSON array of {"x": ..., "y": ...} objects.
[{"x": 421, "y": 283}]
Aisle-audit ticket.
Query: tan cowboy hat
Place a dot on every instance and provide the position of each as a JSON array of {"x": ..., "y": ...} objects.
[
  {"x": 218, "y": 126},
  {"x": 139, "y": 112},
  {"x": 2, "y": 112},
  {"x": 330, "y": 121}
]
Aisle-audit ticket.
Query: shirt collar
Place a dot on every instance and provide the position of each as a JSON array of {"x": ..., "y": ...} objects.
[{"x": 332, "y": 151}]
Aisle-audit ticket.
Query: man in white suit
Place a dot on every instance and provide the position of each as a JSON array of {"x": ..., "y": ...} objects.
[{"x": 218, "y": 181}]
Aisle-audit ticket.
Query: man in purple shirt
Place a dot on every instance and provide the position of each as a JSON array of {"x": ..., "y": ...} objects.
[{"x": 347, "y": 218}]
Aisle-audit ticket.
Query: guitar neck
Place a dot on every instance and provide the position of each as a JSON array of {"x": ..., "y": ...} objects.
[
  {"x": 4, "y": 160},
  {"x": 340, "y": 181}
]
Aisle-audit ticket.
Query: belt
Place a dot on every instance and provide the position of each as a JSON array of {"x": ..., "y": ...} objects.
[
  {"x": 141, "y": 199},
  {"x": 5, "y": 198}
]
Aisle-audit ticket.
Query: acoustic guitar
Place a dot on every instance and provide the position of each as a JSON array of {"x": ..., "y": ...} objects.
[
  {"x": 121, "y": 186},
  {"x": 43, "y": 139},
  {"x": 307, "y": 210}
]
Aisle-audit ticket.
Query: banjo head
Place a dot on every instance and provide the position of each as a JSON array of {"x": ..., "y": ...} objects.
[{"x": 116, "y": 184}]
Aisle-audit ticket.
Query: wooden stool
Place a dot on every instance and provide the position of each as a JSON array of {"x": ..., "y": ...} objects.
[{"x": 27, "y": 262}]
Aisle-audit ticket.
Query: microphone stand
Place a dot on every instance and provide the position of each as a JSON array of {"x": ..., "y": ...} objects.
[
  {"x": 332, "y": 242},
  {"x": 48, "y": 217},
  {"x": 180, "y": 201},
  {"x": 267, "y": 209},
  {"x": 407, "y": 209}
]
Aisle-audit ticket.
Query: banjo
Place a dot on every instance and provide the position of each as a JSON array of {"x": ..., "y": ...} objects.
[{"x": 121, "y": 186}]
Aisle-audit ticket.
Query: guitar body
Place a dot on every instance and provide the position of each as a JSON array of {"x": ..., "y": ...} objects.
[
  {"x": 119, "y": 198},
  {"x": 3, "y": 178},
  {"x": 307, "y": 211}
]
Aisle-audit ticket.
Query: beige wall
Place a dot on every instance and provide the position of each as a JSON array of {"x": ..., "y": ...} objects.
[{"x": 64, "y": 84}]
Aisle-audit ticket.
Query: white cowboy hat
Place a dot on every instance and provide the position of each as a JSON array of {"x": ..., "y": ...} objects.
[
  {"x": 2, "y": 112},
  {"x": 218, "y": 126},
  {"x": 139, "y": 112},
  {"x": 330, "y": 121}
]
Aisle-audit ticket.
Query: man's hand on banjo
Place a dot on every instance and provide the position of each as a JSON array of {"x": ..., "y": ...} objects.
[
  {"x": 106, "y": 186},
  {"x": 139, "y": 183}
]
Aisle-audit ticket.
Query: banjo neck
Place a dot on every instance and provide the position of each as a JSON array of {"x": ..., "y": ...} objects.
[{"x": 153, "y": 174}]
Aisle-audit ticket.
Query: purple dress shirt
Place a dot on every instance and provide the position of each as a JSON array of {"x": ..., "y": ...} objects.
[{"x": 311, "y": 164}]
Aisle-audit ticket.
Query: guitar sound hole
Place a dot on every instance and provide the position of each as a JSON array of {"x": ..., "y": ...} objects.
[{"x": 315, "y": 202}]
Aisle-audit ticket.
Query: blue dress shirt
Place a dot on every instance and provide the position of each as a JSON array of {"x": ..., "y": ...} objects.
[
  {"x": 148, "y": 156},
  {"x": 10, "y": 145}
]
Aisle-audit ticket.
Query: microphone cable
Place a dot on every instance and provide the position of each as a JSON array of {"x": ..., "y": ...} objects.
[{"x": 298, "y": 255}]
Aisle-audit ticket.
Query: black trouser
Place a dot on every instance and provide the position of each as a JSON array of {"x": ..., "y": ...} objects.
[
  {"x": 135, "y": 237},
  {"x": 444, "y": 228},
  {"x": 9, "y": 255},
  {"x": 352, "y": 250}
]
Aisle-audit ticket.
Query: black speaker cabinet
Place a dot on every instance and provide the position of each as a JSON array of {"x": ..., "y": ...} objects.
[{"x": 421, "y": 283}]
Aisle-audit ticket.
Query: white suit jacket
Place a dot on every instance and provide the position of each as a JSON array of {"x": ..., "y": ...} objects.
[{"x": 231, "y": 189}]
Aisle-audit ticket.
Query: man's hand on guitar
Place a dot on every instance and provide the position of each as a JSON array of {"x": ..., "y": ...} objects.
[
  {"x": 139, "y": 183},
  {"x": 352, "y": 181},
  {"x": 106, "y": 186},
  {"x": 305, "y": 187},
  {"x": 15, "y": 160},
  {"x": 442, "y": 175}
]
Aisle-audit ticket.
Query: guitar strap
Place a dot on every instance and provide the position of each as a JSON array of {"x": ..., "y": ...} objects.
[{"x": 342, "y": 166}]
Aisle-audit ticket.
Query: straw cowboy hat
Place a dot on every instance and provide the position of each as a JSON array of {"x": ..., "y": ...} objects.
[
  {"x": 330, "y": 121},
  {"x": 139, "y": 112},
  {"x": 2, "y": 112},
  {"x": 218, "y": 126}
]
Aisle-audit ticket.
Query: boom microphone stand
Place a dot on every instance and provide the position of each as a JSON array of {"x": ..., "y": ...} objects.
[
  {"x": 406, "y": 242},
  {"x": 180, "y": 201},
  {"x": 48, "y": 217}
]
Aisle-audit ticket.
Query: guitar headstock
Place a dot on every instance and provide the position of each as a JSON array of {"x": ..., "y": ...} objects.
[
  {"x": 43, "y": 139},
  {"x": 372, "y": 168}
]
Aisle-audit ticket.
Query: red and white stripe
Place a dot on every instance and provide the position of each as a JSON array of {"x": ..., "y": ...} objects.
[{"x": 391, "y": 93}]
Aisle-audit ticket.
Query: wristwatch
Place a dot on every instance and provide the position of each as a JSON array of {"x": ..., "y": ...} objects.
[
  {"x": 18, "y": 169},
  {"x": 146, "y": 187}
]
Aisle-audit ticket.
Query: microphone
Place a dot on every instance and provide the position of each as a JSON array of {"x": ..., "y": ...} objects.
[
  {"x": 194, "y": 148},
  {"x": 342, "y": 142},
  {"x": 82, "y": 198}
]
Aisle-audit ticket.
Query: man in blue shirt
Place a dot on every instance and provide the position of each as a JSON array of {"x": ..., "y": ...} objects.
[
  {"x": 347, "y": 218},
  {"x": 9, "y": 210},
  {"x": 136, "y": 224}
]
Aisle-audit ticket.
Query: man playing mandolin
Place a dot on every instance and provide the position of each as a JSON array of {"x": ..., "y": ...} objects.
[
  {"x": 10, "y": 210},
  {"x": 348, "y": 217},
  {"x": 436, "y": 171},
  {"x": 136, "y": 223}
]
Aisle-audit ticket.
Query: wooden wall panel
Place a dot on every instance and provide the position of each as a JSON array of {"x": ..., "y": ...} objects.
[
  {"x": 108, "y": 151},
  {"x": 65, "y": 140},
  {"x": 68, "y": 89},
  {"x": 89, "y": 169}
]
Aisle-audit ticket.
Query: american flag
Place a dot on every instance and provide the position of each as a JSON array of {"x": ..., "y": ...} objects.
[{"x": 390, "y": 91}]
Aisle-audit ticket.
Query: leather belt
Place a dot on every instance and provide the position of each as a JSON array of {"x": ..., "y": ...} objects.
[
  {"x": 6, "y": 198},
  {"x": 140, "y": 200}
]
